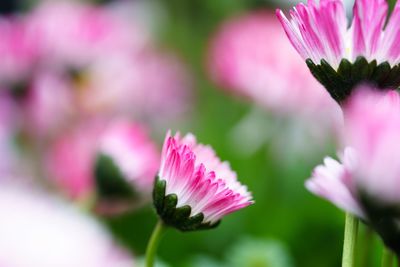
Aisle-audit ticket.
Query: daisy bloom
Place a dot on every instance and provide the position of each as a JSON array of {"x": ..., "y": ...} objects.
[
  {"x": 367, "y": 180},
  {"x": 194, "y": 189},
  {"x": 341, "y": 57},
  {"x": 115, "y": 161}
]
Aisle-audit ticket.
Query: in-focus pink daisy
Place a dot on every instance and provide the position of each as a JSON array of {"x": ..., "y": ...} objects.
[
  {"x": 367, "y": 182},
  {"x": 194, "y": 189},
  {"x": 273, "y": 75},
  {"x": 342, "y": 57}
]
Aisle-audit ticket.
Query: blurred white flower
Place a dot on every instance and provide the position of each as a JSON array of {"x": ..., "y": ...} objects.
[{"x": 42, "y": 231}]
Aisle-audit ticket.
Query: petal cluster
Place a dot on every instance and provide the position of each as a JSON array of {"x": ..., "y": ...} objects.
[
  {"x": 373, "y": 128},
  {"x": 334, "y": 181},
  {"x": 367, "y": 181},
  {"x": 200, "y": 180},
  {"x": 319, "y": 31}
]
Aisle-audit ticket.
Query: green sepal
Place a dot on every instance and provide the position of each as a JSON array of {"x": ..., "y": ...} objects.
[
  {"x": 340, "y": 83},
  {"x": 110, "y": 182},
  {"x": 166, "y": 207},
  {"x": 159, "y": 194}
]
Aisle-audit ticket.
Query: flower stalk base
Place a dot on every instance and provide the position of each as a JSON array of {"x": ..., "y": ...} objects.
[
  {"x": 154, "y": 241},
  {"x": 350, "y": 241},
  {"x": 387, "y": 258}
]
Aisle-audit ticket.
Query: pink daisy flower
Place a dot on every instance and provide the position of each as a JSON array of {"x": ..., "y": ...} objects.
[
  {"x": 342, "y": 57},
  {"x": 367, "y": 180},
  {"x": 194, "y": 189}
]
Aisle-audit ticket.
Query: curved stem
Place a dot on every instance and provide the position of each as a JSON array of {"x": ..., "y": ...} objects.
[
  {"x": 155, "y": 238},
  {"x": 387, "y": 258},
  {"x": 350, "y": 240}
]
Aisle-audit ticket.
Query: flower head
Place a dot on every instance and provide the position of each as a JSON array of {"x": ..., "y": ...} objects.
[
  {"x": 341, "y": 57},
  {"x": 115, "y": 160},
  {"x": 367, "y": 182},
  {"x": 194, "y": 189}
]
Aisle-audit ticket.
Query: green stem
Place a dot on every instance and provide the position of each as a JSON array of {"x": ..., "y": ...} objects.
[
  {"x": 155, "y": 238},
  {"x": 387, "y": 258},
  {"x": 350, "y": 240},
  {"x": 367, "y": 247}
]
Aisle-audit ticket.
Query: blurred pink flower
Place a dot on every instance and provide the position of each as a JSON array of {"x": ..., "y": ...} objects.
[
  {"x": 150, "y": 85},
  {"x": 334, "y": 181},
  {"x": 41, "y": 230},
  {"x": 371, "y": 167},
  {"x": 74, "y": 34},
  {"x": 18, "y": 52},
  {"x": 319, "y": 31},
  {"x": 71, "y": 158},
  {"x": 199, "y": 179},
  {"x": 49, "y": 103},
  {"x": 251, "y": 55},
  {"x": 373, "y": 129},
  {"x": 129, "y": 146}
]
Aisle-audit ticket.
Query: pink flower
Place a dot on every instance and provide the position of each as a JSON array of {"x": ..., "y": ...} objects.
[
  {"x": 319, "y": 31},
  {"x": 75, "y": 162},
  {"x": 37, "y": 224},
  {"x": 367, "y": 183},
  {"x": 49, "y": 104},
  {"x": 152, "y": 85},
  {"x": 75, "y": 34},
  {"x": 372, "y": 129},
  {"x": 371, "y": 166},
  {"x": 250, "y": 55},
  {"x": 334, "y": 181},
  {"x": 131, "y": 149},
  {"x": 18, "y": 52},
  {"x": 194, "y": 182},
  {"x": 70, "y": 160},
  {"x": 366, "y": 52}
]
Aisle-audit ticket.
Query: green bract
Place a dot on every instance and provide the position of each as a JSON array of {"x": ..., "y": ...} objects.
[
  {"x": 340, "y": 83},
  {"x": 110, "y": 182},
  {"x": 177, "y": 217}
]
